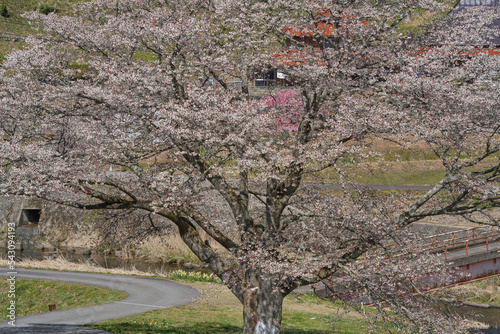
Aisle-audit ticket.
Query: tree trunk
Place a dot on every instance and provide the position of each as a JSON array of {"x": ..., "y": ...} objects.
[{"x": 262, "y": 308}]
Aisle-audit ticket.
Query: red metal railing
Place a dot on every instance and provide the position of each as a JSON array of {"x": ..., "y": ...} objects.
[
  {"x": 451, "y": 242},
  {"x": 464, "y": 240}
]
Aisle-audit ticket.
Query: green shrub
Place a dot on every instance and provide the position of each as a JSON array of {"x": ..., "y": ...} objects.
[
  {"x": 46, "y": 9},
  {"x": 3, "y": 10}
]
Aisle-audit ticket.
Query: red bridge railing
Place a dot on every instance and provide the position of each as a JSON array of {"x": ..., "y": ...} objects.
[{"x": 454, "y": 241}]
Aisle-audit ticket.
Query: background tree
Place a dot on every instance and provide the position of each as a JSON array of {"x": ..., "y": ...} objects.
[{"x": 146, "y": 85}]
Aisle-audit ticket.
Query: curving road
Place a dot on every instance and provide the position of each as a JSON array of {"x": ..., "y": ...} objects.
[{"x": 145, "y": 294}]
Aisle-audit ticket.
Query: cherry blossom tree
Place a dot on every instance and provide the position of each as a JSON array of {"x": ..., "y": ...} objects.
[{"x": 149, "y": 87}]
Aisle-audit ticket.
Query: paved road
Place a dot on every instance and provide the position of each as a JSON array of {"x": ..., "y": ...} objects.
[
  {"x": 461, "y": 253},
  {"x": 145, "y": 294}
]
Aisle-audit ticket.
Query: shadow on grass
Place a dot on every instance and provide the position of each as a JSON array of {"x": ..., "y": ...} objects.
[{"x": 194, "y": 328}]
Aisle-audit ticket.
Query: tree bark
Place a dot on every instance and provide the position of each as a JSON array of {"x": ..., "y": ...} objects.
[
  {"x": 250, "y": 317},
  {"x": 262, "y": 307}
]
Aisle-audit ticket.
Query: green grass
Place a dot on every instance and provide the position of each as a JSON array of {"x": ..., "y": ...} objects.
[
  {"x": 394, "y": 167},
  {"x": 218, "y": 311},
  {"x": 476, "y": 292},
  {"x": 12, "y": 32},
  {"x": 296, "y": 323},
  {"x": 34, "y": 296},
  {"x": 420, "y": 17},
  {"x": 404, "y": 177},
  {"x": 407, "y": 155},
  {"x": 397, "y": 173}
]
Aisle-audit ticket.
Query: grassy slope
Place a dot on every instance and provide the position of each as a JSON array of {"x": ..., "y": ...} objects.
[
  {"x": 420, "y": 17},
  {"x": 34, "y": 296},
  {"x": 477, "y": 292},
  {"x": 12, "y": 33}
]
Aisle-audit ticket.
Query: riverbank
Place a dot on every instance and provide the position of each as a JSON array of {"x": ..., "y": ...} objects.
[{"x": 483, "y": 293}]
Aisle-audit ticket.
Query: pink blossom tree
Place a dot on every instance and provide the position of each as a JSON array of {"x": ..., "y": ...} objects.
[
  {"x": 145, "y": 85},
  {"x": 288, "y": 103}
]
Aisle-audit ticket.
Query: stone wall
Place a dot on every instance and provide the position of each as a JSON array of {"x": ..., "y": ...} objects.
[{"x": 58, "y": 226}]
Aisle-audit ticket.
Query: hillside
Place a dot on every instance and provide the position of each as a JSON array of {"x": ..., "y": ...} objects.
[{"x": 14, "y": 28}]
